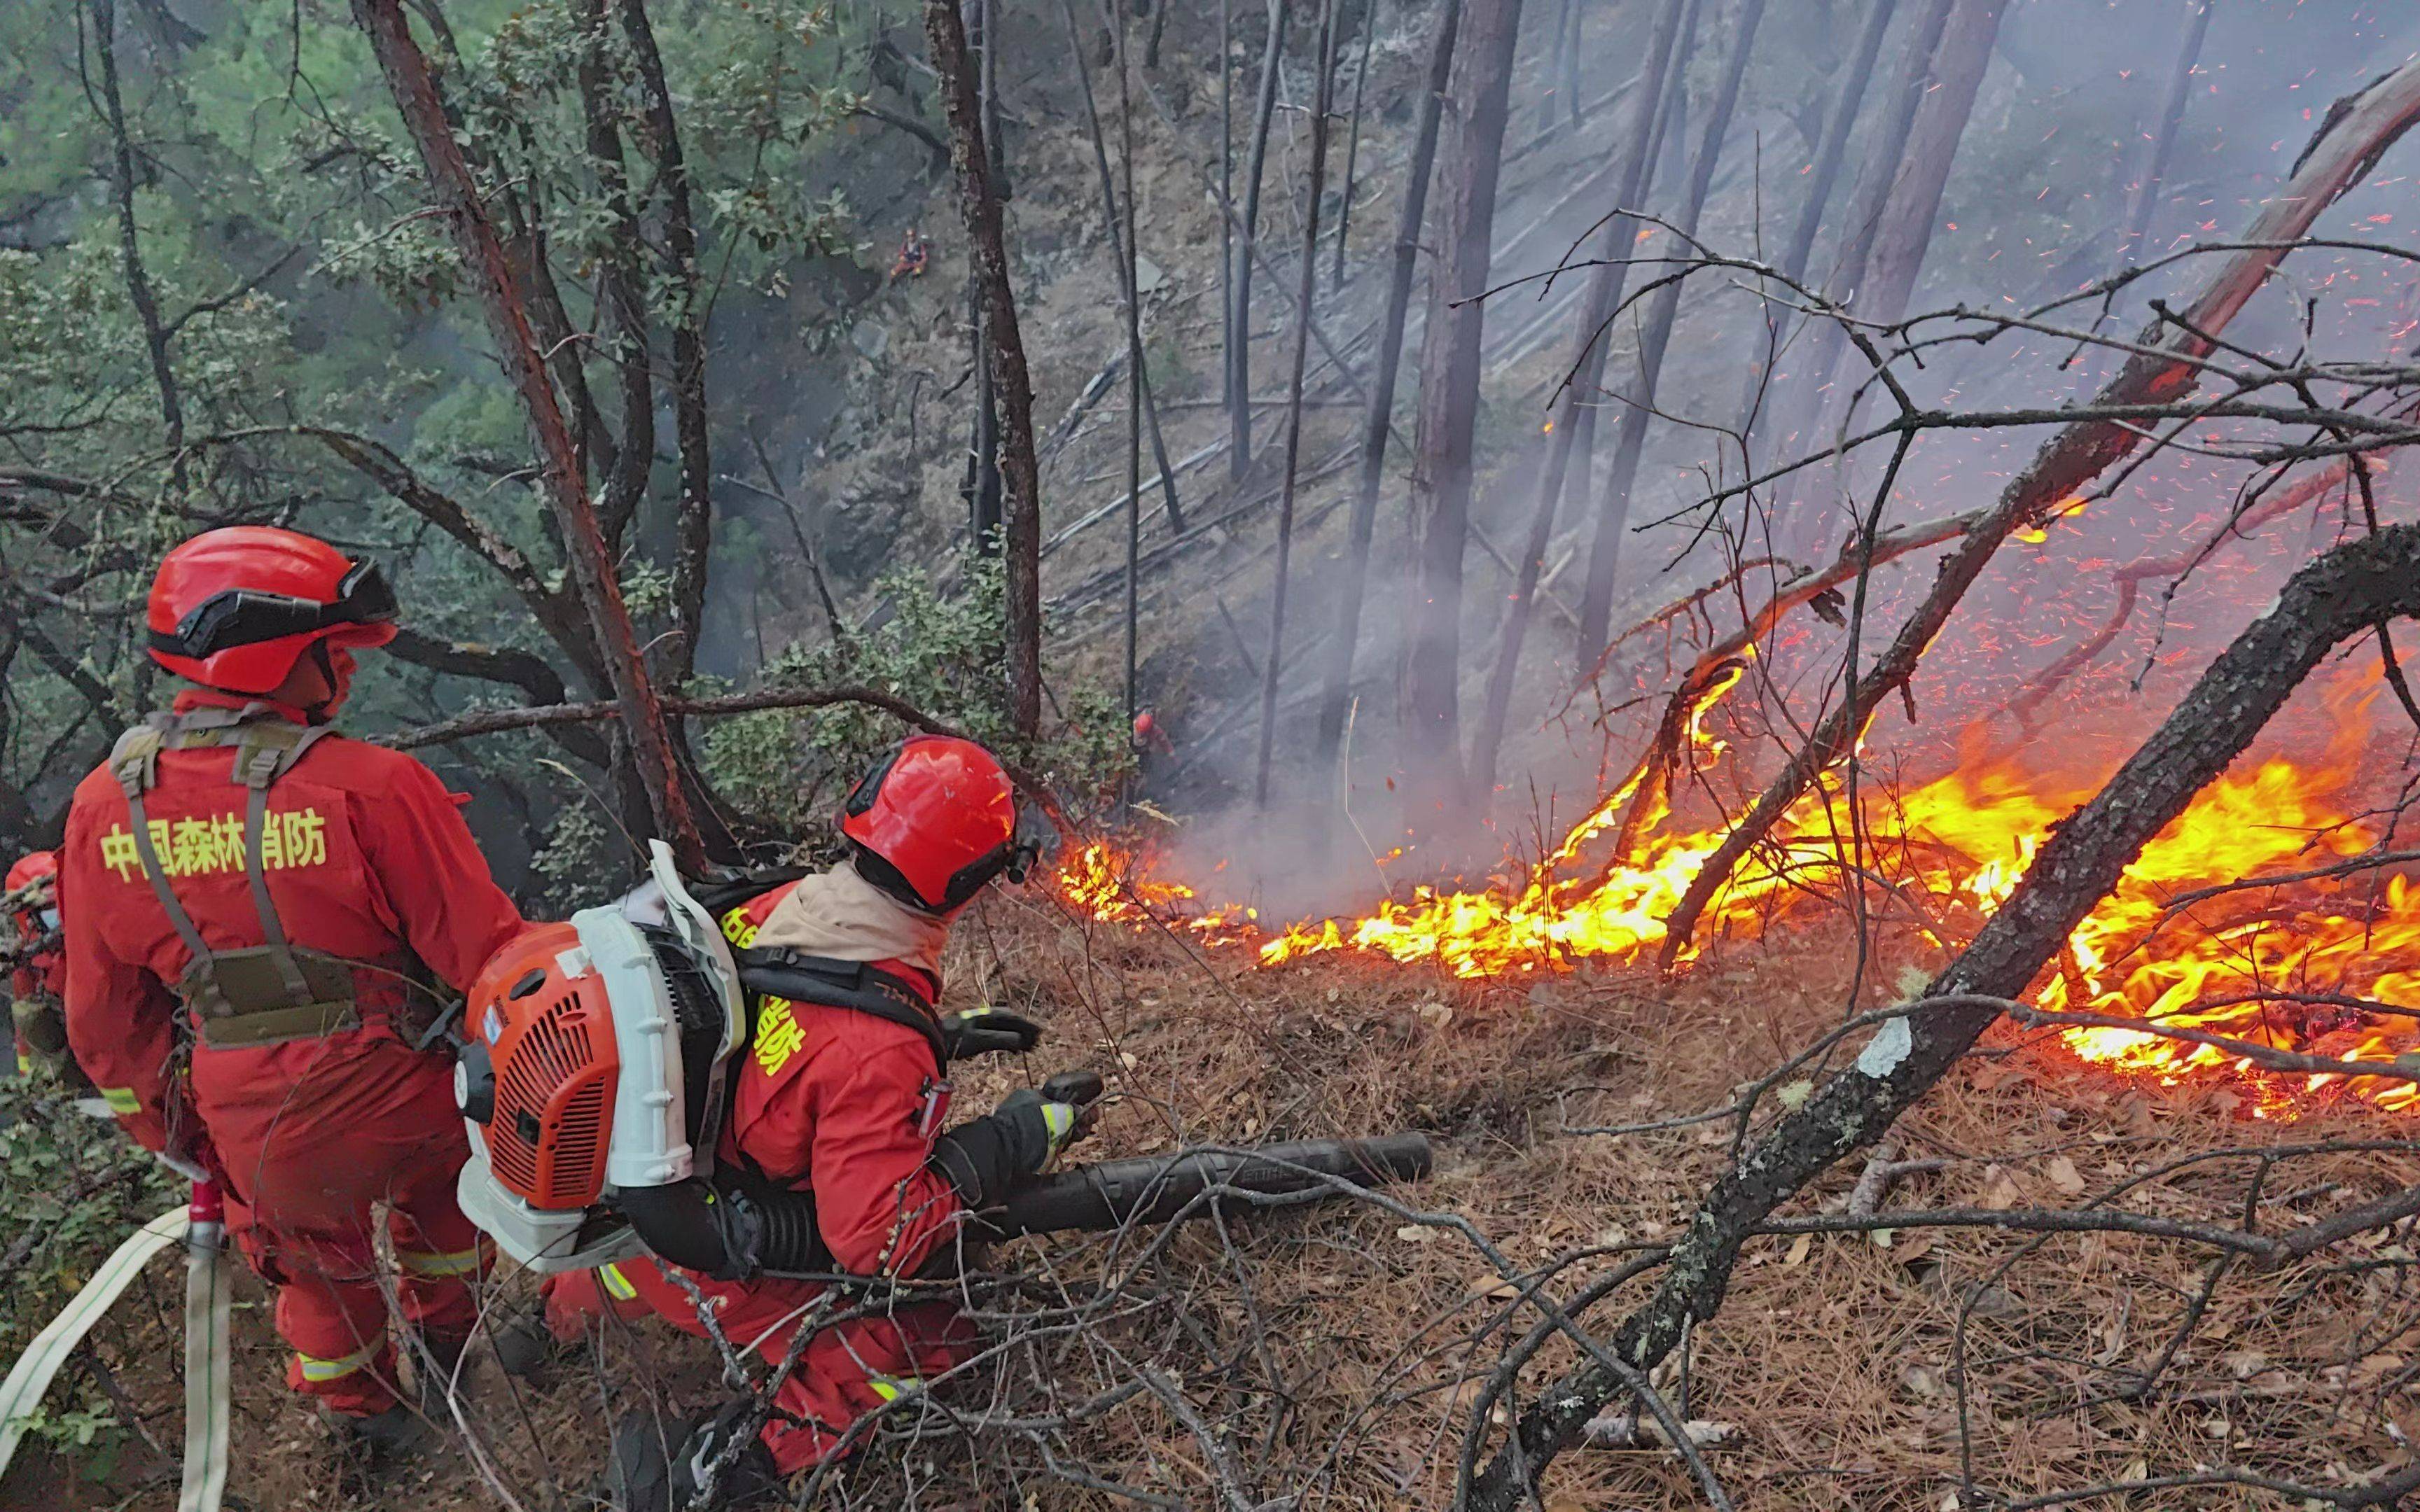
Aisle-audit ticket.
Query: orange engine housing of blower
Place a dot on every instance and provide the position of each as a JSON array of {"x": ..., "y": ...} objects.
[{"x": 550, "y": 1032}]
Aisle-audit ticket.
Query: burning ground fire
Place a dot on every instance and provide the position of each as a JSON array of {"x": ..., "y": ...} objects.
[{"x": 2304, "y": 966}]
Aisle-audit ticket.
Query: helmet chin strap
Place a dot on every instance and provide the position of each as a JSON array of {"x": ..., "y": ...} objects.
[{"x": 319, "y": 713}]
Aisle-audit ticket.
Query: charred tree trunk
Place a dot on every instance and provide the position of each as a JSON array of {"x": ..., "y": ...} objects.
[
  {"x": 1613, "y": 510},
  {"x": 982, "y": 445},
  {"x": 1448, "y": 406},
  {"x": 1239, "y": 325},
  {"x": 621, "y": 285},
  {"x": 1585, "y": 371},
  {"x": 1875, "y": 179},
  {"x": 1856, "y": 81},
  {"x": 1122, "y": 236},
  {"x": 1915, "y": 204},
  {"x": 694, "y": 521},
  {"x": 1226, "y": 201},
  {"x": 2172, "y": 114},
  {"x": 1353, "y": 140},
  {"x": 1670, "y": 127},
  {"x": 451, "y": 187},
  {"x": 2347, "y": 592},
  {"x": 1336, "y": 694},
  {"x": 2358, "y": 127},
  {"x": 1013, "y": 390},
  {"x": 1272, "y": 666},
  {"x": 130, "y": 246}
]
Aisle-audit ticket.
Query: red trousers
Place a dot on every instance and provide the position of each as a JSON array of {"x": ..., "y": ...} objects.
[
  {"x": 302, "y": 1208},
  {"x": 847, "y": 1370}
]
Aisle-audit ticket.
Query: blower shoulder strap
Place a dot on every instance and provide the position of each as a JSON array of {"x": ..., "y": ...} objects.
[
  {"x": 727, "y": 890},
  {"x": 852, "y": 984}
]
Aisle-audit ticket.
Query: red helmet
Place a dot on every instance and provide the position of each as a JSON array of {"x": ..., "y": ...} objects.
[
  {"x": 30, "y": 869},
  {"x": 933, "y": 821},
  {"x": 236, "y": 609}
]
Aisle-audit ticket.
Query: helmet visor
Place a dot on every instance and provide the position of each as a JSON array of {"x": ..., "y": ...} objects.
[{"x": 243, "y": 617}]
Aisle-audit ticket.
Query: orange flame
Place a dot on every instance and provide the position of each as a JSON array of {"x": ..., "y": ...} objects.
[{"x": 2307, "y": 966}]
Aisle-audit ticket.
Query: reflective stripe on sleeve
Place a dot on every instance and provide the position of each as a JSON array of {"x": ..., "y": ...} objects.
[
  {"x": 316, "y": 1370},
  {"x": 891, "y": 1388},
  {"x": 121, "y": 1100},
  {"x": 617, "y": 1285},
  {"x": 441, "y": 1263}
]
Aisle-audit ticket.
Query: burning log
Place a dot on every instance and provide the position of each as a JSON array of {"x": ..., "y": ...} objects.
[
  {"x": 2164, "y": 369},
  {"x": 2343, "y": 593}
]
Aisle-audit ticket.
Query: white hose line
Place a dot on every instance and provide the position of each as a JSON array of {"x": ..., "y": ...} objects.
[
  {"x": 29, "y": 1379},
  {"x": 209, "y": 1290}
]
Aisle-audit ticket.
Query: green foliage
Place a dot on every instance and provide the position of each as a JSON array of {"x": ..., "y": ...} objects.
[
  {"x": 71, "y": 1188},
  {"x": 578, "y": 852},
  {"x": 941, "y": 653}
]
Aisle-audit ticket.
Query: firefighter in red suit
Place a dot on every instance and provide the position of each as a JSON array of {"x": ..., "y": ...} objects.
[
  {"x": 848, "y": 1105},
  {"x": 38, "y": 977},
  {"x": 257, "y": 914}
]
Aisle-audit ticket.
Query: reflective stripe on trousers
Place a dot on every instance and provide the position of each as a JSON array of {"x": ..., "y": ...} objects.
[
  {"x": 316, "y": 1370},
  {"x": 442, "y": 1263},
  {"x": 617, "y": 1285}
]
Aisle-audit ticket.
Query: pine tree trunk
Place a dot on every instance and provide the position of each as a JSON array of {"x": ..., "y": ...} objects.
[
  {"x": 453, "y": 190},
  {"x": 1613, "y": 510},
  {"x": 1352, "y": 578},
  {"x": 1240, "y": 328},
  {"x": 1670, "y": 127},
  {"x": 1904, "y": 230},
  {"x": 693, "y": 523},
  {"x": 129, "y": 251},
  {"x": 1914, "y": 208},
  {"x": 1585, "y": 370},
  {"x": 1226, "y": 199},
  {"x": 2164, "y": 141},
  {"x": 1875, "y": 179},
  {"x": 1856, "y": 82},
  {"x": 1273, "y": 666},
  {"x": 1448, "y": 404},
  {"x": 1353, "y": 139},
  {"x": 1012, "y": 388}
]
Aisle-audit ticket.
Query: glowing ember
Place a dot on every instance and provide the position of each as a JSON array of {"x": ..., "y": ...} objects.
[{"x": 2316, "y": 965}]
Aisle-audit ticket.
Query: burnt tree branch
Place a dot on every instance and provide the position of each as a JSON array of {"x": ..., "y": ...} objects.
[
  {"x": 2369, "y": 121},
  {"x": 2341, "y": 595}
]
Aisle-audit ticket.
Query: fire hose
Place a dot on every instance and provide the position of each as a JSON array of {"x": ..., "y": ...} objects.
[
  {"x": 1154, "y": 1189},
  {"x": 201, "y": 1227}
]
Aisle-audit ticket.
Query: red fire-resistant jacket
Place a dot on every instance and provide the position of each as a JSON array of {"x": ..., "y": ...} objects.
[
  {"x": 845, "y": 1103},
  {"x": 368, "y": 857}
]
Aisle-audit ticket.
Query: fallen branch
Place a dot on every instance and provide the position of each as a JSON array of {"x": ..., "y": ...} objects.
[
  {"x": 2130, "y": 578},
  {"x": 2343, "y": 593},
  {"x": 1882, "y": 1171},
  {"x": 2360, "y": 128}
]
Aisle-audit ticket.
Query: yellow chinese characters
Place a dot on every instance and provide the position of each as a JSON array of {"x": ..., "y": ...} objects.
[
  {"x": 778, "y": 1035},
  {"x": 205, "y": 844}
]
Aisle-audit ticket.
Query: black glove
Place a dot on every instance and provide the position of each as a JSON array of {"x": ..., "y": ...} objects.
[
  {"x": 981, "y": 1031},
  {"x": 989, "y": 1158},
  {"x": 658, "y": 1465}
]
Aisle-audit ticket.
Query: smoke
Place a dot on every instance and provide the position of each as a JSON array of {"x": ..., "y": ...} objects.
[{"x": 2035, "y": 208}]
